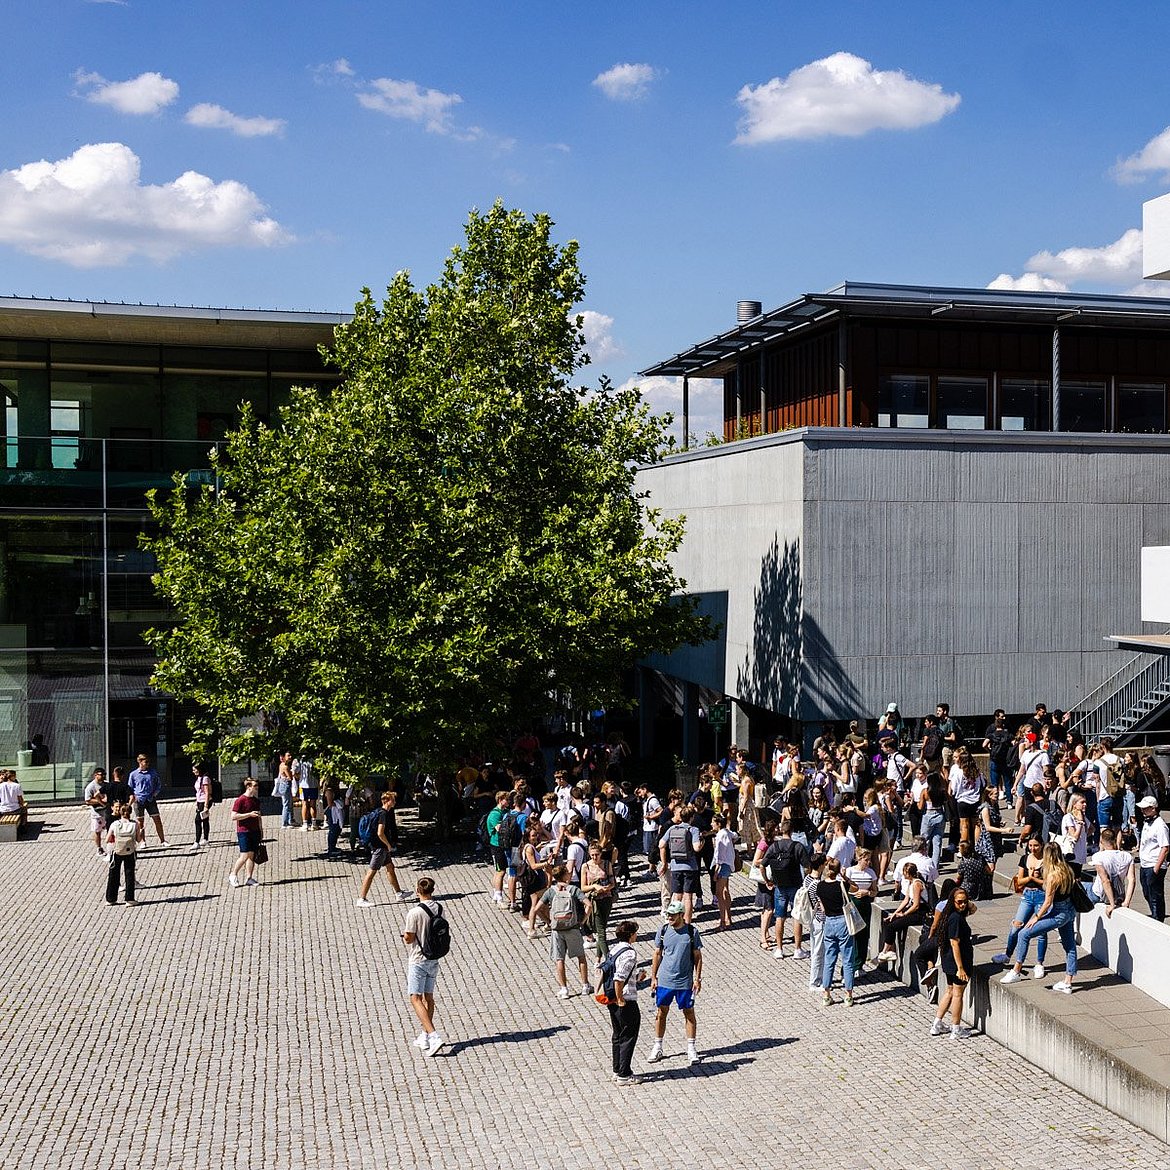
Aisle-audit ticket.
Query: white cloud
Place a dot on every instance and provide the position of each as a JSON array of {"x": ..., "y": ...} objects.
[
  {"x": 626, "y": 83},
  {"x": 148, "y": 93},
  {"x": 664, "y": 395},
  {"x": 1028, "y": 282},
  {"x": 332, "y": 70},
  {"x": 411, "y": 102},
  {"x": 599, "y": 340},
  {"x": 217, "y": 118},
  {"x": 838, "y": 95},
  {"x": 92, "y": 209},
  {"x": 1116, "y": 263},
  {"x": 1152, "y": 159},
  {"x": 1149, "y": 288}
]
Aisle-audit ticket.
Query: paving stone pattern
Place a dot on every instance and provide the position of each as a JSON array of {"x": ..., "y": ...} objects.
[{"x": 268, "y": 1027}]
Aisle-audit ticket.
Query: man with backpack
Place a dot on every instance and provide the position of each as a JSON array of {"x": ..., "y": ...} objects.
[
  {"x": 682, "y": 845},
  {"x": 566, "y": 912},
  {"x": 676, "y": 976},
  {"x": 618, "y": 979},
  {"x": 428, "y": 939},
  {"x": 374, "y": 831},
  {"x": 499, "y": 854}
]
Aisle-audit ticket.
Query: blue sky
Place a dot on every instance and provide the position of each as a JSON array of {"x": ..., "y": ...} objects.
[{"x": 283, "y": 156}]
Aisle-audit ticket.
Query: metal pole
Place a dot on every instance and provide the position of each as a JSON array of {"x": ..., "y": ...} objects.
[
  {"x": 686, "y": 443},
  {"x": 763, "y": 397},
  {"x": 1056, "y": 378},
  {"x": 105, "y": 756},
  {"x": 842, "y": 373},
  {"x": 738, "y": 396}
]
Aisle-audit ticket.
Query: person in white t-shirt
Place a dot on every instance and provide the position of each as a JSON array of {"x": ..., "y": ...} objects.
[
  {"x": 842, "y": 845},
  {"x": 651, "y": 821},
  {"x": 624, "y": 1014},
  {"x": 1116, "y": 879},
  {"x": 1033, "y": 760},
  {"x": 921, "y": 860}
]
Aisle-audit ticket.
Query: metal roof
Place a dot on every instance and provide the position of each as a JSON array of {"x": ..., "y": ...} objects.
[{"x": 852, "y": 299}]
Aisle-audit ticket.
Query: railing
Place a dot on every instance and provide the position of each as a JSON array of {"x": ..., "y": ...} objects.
[{"x": 1123, "y": 694}]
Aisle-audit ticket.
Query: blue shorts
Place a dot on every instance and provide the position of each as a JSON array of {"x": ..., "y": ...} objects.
[
  {"x": 723, "y": 871},
  {"x": 683, "y": 996},
  {"x": 420, "y": 976},
  {"x": 782, "y": 900},
  {"x": 248, "y": 842}
]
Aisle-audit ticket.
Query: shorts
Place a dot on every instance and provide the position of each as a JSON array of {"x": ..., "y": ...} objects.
[
  {"x": 97, "y": 822},
  {"x": 147, "y": 808},
  {"x": 499, "y": 858},
  {"x": 723, "y": 871},
  {"x": 309, "y": 795},
  {"x": 967, "y": 812},
  {"x": 248, "y": 842},
  {"x": 783, "y": 898},
  {"x": 566, "y": 944},
  {"x": 683, "y": 996},
  {"x": 421, "y": 975},
  {"x": 380, "y": 857},
  {"x": 684, "y": 881}
]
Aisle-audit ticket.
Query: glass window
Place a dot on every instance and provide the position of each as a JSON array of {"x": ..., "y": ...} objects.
[
  {"x": 962, "y": 404},
  {"x": 1082, "y": 406},
  {"x": 1141, "y": 407},
  {"x": 904, "y": 400},
  {"x": 65, "y": 427},
  {"x": 1023, "y": 404}
]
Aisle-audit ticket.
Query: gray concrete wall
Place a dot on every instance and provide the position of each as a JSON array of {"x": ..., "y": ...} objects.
[{"x": 973, "y": 567}]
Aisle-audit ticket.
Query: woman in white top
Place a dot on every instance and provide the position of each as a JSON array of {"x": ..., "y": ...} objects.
[
  {"x": 721, "y": 866},
  {"x": 1075, "y": 830},
  {"x": 966, "y": 786},
  {"x": 863, "y": 886}
]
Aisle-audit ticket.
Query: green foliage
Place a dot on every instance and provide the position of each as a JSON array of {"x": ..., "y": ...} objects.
[{"x": 414, "y": 560}]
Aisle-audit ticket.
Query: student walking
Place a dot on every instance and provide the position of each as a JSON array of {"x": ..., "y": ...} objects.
[{"x": 427, "y": 938}]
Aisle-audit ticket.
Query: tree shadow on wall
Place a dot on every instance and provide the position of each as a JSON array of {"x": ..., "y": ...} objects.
[{"x": 790, "y": 668}]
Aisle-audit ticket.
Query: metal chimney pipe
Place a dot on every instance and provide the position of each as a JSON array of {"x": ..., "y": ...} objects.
[{"x": 747, "y": 311}]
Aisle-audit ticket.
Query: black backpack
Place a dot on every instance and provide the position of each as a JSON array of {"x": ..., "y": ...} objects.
[
  {"x": 606, "y": 968},
  {"x": 506, "y": 832},
  {"x": 436, "y": 942},
  {"x": 678, "y": 843}
]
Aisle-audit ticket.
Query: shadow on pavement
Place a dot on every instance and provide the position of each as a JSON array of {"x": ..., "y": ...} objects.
[{"x": 508, "y": 1038}]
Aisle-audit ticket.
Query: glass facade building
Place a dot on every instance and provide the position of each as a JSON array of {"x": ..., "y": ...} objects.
[{"x": 101, "y": 403}]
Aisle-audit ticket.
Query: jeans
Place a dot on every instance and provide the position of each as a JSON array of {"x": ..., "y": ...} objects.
[
  {"x": 1060, "y": 918},
  {"x": 933, "y": 820},
  {"x": 1129, "y": 807},
  {"x": 626, "y": 1021},
  {"x": 1154, "y": 888},
  {"x": 118, "y": 865},
  {"x": 286, "y": 808},
  {"x": 650, "y": 846},
  {"x": 1105, "y": 817},
  {"x": 997, "y": 777},
  {"x": 333, "y": 837},
  {"x": 817, "y": 958},
  {"x": 1030, "y": 902},
  {"x": 838, "y": 944}
]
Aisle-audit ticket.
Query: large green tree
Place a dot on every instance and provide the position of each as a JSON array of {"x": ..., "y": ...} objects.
[{"x": 416, "y": 559}]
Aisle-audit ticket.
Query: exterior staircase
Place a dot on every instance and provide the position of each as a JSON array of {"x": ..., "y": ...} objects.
[{"x": 1126, "y": 701}]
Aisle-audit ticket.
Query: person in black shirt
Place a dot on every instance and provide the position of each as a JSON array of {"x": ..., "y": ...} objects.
[
  {"x": 957, "y": 959},
  {"x": 117, "y": 792},
  {"x": 997, "y": 742},
  {"x": 1035, "y": 817}
]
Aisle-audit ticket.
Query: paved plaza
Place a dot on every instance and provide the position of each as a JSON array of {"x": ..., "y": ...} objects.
[{"x": 267, "y": 1027}]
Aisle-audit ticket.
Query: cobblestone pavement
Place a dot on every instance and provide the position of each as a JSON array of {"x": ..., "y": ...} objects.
[{"x": 268, "y": 1027}]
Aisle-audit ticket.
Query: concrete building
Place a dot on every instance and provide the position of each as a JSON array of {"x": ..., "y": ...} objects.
[
  {"x": 101, "y": 403},
  {"x": 971, "y": 533}
]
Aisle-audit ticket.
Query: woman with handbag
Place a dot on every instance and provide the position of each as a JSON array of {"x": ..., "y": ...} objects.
[
  {"x": 1057, "y": 912},
  {"x": 834, "y": 900},
  {"x": 722, "y": 864},
  {"x": 1074, "y": 832},
  {"x": 598, "y": 885}
]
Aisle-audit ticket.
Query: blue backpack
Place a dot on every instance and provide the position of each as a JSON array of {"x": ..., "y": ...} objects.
[{"x": 368, "y": 826}]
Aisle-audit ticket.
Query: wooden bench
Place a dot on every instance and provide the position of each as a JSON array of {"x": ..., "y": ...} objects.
[{"x": 11, "y": 825}]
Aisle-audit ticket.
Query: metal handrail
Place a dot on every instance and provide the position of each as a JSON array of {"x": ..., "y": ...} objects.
[
  {"x": 1126, "y": 697},
  {"x": 1100, "y": 696}
]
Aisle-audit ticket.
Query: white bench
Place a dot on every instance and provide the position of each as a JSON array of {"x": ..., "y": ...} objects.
[{"x": 1133, "y": 945}]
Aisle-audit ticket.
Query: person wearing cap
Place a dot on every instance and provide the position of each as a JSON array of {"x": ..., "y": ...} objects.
[
  {"x": 892, "y": 721},
  {"x": 1033, "y": 760},
  {"x": 676, "y": 976},
  {"x": 1153, "y": 854}
]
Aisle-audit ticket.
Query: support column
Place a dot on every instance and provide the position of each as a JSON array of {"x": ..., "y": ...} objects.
[
  {"x": 686, "y": 442},
  {"x": 763, "y": 398},
  {"x": 1056, "y": 378},
  {"x": 647, "y": 708},
  {"x": 738, "y": 396},
  {"x": 842, "y": 374},
  {"x": 690, "y": 743},
  {"x": 741, "y": 732}
]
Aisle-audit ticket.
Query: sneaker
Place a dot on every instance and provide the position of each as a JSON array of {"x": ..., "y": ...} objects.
[
  {"x": 634, "y": 1080},
  {"x": 564, "y": 993},
  {"x": 826, "y": 998},
  {"x": 132, "y": 902},
  {"x": 849, "y": 999},
  {"x": 938, "y": 1028},
  {"x": 233, "y": 880},
  {"x": 885, "y": 957},
  {"x": 1038, "y": 971},
  {"x": 1012, "y": 977},
  {"x": 532, "y": 934},
  {"x": 304, "y": 828},
  {"x": 655, "y": 1054},
  {"x": 960, "y": 1032},
  {"x": 420, "y": 1041},
  {"x": 692, "y": 1057},
  {"x": 364, "y": 902},
  {"x": 251, "y": 882},
  {"x": 1063, "y": 986},
  {"x": 194, "y": 848},
  {"x": 1001, "y": 958},
  {"x": 778, "y": 954},
  {"x": 164, "y": 844},
  {"x": 434, "y": 1043},
  {"x": 929, "y": 978},
  {"x": 403, "y": 896},
  {"x": 800, "y": 953},
  {"x": 586, "y": 988}
]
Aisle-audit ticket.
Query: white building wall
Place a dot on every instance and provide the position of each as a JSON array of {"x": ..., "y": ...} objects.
[{"x": 1156, "y": 238}]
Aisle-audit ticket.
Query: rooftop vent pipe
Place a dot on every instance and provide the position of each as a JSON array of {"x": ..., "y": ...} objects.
[{"x": 747, "y": 311}]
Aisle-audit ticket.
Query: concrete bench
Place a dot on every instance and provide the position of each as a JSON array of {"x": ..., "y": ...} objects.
[
  {"x": 1133, "y": 945},
  {"x": 11, "y": 825}
]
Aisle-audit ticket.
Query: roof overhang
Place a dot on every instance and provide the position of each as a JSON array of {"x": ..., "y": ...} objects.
[
  {"x": 718, "y": 355},
  {"x": 1141, "y": 643}
]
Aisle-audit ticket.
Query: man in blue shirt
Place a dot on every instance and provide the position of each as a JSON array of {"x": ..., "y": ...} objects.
[
  {"x": 145, "y": 783},
  {"x": 676, "y": 975}
]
